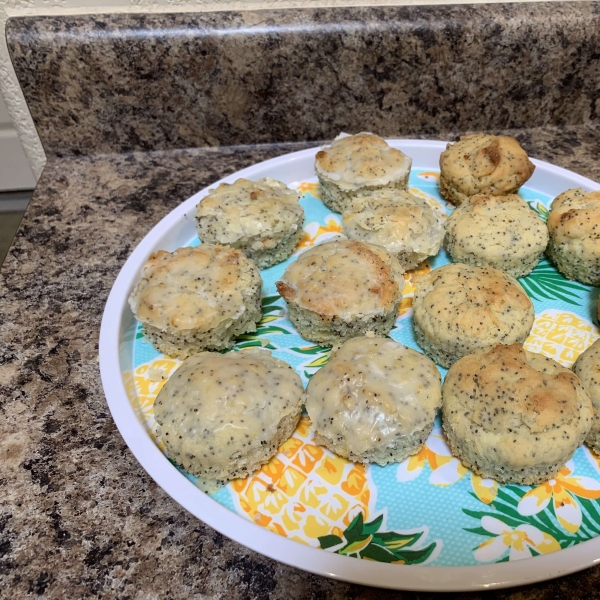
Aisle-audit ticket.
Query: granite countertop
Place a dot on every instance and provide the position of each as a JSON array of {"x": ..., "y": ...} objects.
[
  {"x": 79, "y": 516},
  {"x": 115, "y": 98}
]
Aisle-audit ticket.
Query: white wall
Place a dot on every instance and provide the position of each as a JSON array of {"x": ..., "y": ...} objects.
[
  {"x": 8, "y": 81},
  {"x": 15, "y": 172}
]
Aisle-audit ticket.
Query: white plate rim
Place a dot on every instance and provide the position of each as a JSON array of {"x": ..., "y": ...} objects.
[{"x": 115, "y": 320}]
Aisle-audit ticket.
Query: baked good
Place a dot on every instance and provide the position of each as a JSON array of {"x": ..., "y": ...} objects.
[
  {"x": 405, "y": 225},
  {"x": 222, "y": 416},
  {"x": 358, "y": 164},
  {"x": 342, "y": 289},
  {"x": 496, "y": 231},
  {"x": 483, "y": 164},
  {"x": 374, "y": 401},
  {"x": 514, "y": 416},
  {"x": 261, "y": 218},
  {"x": 587, "y": 368},
  {"x": 459, "y": 309},
  {"x": 574, "y": 226},
  {"x": 197, "y": 298}
]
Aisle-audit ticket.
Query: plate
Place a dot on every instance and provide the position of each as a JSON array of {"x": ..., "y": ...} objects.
[{"x": 426, "y": 524}]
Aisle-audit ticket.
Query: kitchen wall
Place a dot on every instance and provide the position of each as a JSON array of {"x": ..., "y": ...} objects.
[
  {"x": 15, "y": 173},
  {"x": 15, "y": 103}
]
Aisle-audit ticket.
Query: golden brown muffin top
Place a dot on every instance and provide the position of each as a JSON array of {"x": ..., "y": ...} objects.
[
  {"x": 396, "y": 220},
  {"x": 343, "y": 278},
  {"x": 471, "y": 303},
  {"x": 514, "y": 387},
  {"x": 497, "y": 226},
  {"x": 481, "y": 163},
  {"x": 218, "y": 407},
  {"x": 371, "y": 391},
  {"x": 246, "y": 209},
  {"x": 360, "y": 160},
  {"x": 193, "y": 288},
  {"x": 575, "y": 215}
]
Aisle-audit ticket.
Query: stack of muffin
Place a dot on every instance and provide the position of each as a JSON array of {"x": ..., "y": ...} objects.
[{"x": 509, "y": 414}]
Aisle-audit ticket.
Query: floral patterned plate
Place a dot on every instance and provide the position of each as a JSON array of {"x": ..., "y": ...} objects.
[{"x": 427, "y": 523}]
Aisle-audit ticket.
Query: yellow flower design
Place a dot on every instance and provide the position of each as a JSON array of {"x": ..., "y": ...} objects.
[
  {"x": 519, "y": 541},
  {"x": 408, "y": 291},
  {"x": 313, "y": 231},
  {"x": 561, "y": 490},
  {"x": 446, "y": 470},
  {"x": 312, "y": 188},
  {"x": 148, "y": 380},
  {"x": 429, "y": 175}
]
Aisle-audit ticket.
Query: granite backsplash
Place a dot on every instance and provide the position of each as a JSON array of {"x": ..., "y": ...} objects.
[
  {"x": 140, "y": 82},
  {"x": 79, "y": 517}
]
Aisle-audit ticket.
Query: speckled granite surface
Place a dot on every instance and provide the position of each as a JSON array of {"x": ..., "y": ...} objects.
[
  {"x": 78, "y": 515},
  {"x": 119, "y": 83}
]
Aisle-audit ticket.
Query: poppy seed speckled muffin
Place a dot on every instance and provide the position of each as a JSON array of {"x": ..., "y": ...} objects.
[
  {"x": 587, "y": 368},
  {"x": 483, "y": 164},
  {"x": 574, "y": 225},
  {"x": 497, "y": 231},
  {"x": 374, "y": 401},
  {"x": 404, "y": 224},
  {"x": 342, "y": 289},
  {"x": 359, "y": 164},
  {"x": 223, "y": 416},
  {"x": 261, "y": 218},
  {"x": 459, "y": 309},
  {"x": 199, "y": 298},
  {"x": 514, "y": 416}
]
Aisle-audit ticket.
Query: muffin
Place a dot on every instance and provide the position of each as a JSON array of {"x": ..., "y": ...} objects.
[
  {"x": 342, "y": 289},
  {"x": 359, "y": 164},
  {"x": 459, "y": 309},
  {"x": 496, "y": 231},
  {"x": 196, "y": 299},
  {"x": 514, "y": 416},
  {"x": 587, "y": 368},
  {"x": 261, "y": 218},
  {"x": 574, "y": 225},
  {"x": 223, "y": 416},
  {"x": 405, "y": 225},
  {"x": 483, "y": 164},
  {"x": 374, "y": 401}
]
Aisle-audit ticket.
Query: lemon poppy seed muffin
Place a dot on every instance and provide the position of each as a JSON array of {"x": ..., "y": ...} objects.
[
  {"x": 574, "y": 225},
  {"x": 197, "y": 298},
  {"x": 374, "y": 401},
  {"x": 459, "y": 309},
  {"x": 404, "y": 224},
  {"x": 514, "y": 416},
  {"x": 223, "y": 416},
  {"x": 483, "y": 164},
  {"x": 261, "y": 218},
  {"x": 342, "y": 289},
  {"x": 359, "y": 164},
  {"x": 497, "y": 231},
  {"x": 587, "y": 368}
]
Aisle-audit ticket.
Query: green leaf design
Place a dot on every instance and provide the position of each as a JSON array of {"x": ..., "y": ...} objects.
[
  {"x": 373, "y": 526},
  {"x": 505, "y": 508},
  {"x": 354, "y": 530},
  {"x": 363, "y": 540},
  {"x": 268, "y": 319},
  {"x": 539, "y": 208},
  {"x": 327, "y": 541},
  {"x": 310, "y": 350},
  {"x": 545, "y": 282},
  {"x": 268, "y": 300}
]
